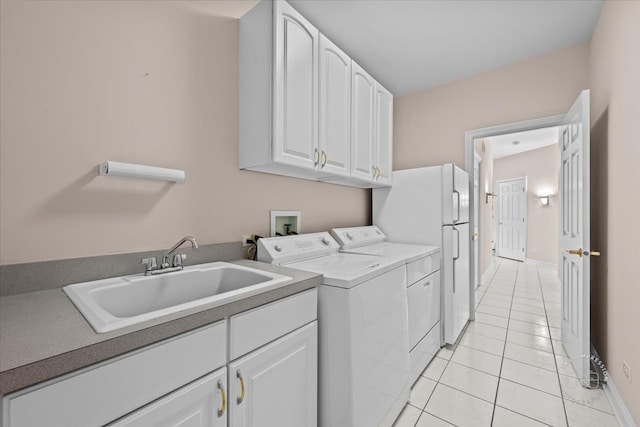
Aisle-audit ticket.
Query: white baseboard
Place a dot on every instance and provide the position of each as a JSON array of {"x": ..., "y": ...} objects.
[
  {"x": 617, "y": 404},
  {"x": 538, "y": 262},
  {"x": 488, "y": 274}
]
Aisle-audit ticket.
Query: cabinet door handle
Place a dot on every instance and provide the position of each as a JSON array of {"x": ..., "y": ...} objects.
[
  {"x": 379, "y": 172},
  {"x": 316, "y": 157},
  {"x": 324, "y": 158},
  {"x": 223, "y": 407},
  {"x": 240, "y": 398}
]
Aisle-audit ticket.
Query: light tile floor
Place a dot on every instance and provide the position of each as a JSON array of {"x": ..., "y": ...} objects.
[{"x": 509, "y": 367}]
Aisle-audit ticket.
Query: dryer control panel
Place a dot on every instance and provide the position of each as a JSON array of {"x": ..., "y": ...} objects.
[
  {"x": 284, "y": 249},
  {"x": 354, "y": 237}
]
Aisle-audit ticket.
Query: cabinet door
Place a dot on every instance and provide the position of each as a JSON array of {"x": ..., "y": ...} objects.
[
  {"x": 335, "y": 109},
  {"x": 383, "y": 135},
  {"x": 276, "y": 385},
  {"x": 362, "y": 100},
  {"x": 199, "y": 404},
  {"x": 295, "y": 88}
]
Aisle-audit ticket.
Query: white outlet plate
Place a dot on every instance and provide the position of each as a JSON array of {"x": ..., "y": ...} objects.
[
  {"x": 246, "y": 237},
  {"x": 626, "y": 370}
]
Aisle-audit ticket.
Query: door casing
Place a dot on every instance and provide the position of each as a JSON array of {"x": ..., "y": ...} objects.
[{"x": 469, "y": 137}]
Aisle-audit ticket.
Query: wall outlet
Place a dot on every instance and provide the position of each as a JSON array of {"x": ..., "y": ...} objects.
[
  {"x": 246, "y": 237},
  {"x": 626, "y": 370}
]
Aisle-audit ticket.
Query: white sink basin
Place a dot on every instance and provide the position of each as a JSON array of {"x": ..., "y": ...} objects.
[{"x": 114, "y": 303}]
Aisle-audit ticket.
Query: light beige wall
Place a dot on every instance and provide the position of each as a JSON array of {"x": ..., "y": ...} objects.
[
  {"x": 429, "y": 126},
  {"x": 485, "y": 150},
  {"x": 615, "y": 149},
  {"x": 542, "y": 168},
  {"x": 149, "y": 82}
]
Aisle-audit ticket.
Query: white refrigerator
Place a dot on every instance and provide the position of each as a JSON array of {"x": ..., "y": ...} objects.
[{"x": 430, "y": 206}]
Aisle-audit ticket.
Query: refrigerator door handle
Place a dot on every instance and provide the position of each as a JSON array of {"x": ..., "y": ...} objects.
[
  {"x": 455, "y": 258},
  {"x": 457, "y": 193}
]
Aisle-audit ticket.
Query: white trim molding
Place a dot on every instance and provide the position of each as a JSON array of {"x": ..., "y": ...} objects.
[
  {"x": 620, "y": 409},
  {"x": 489, "y": 273}
]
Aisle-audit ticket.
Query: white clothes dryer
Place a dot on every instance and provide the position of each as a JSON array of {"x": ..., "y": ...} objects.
[
  {"x": 362, "y": 328},
  {"x": 423, "y": 287}
]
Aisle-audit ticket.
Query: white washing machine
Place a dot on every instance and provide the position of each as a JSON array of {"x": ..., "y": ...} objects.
[
  {"x": 362, "y": 323},
  {"x": 423, "y": 287}
]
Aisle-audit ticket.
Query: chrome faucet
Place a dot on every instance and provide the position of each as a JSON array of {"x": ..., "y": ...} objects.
[{"x": 151, "y": 263}]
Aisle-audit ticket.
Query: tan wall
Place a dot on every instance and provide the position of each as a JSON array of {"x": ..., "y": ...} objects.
[
  {"x": 429, "y": 126},
  {"x": 148, "y": 82},
  {"x": 486, "y": 209},
  {"x": 542, "y": 168},
  {"x": 615, "y": 154}
]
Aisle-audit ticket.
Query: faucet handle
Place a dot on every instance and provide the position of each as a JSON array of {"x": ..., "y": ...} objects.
[
  {"x": 150, "y": 264},
  {"x": 178, "y": 258}
]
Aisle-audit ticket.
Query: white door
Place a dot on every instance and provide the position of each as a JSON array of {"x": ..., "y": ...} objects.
[
  {"x": 575, "y": 240},
  {"x": 512, "y": 218},
  {"x": 383, "y": 135},
  {"x": 362, "y": 113},
  {"x": 296, "y": 89},
  {"x": 476, "y": 220},
  {"x": 276, "y": 385},
  {"x": 455, "y": 263},
  {"x": 202, "y": 403},
  {"x": 335, "y": 109}
]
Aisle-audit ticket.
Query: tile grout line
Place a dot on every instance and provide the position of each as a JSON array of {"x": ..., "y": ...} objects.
[
  {"x": 532, "y": 388},
  {"x": 448, "y": 361},
  {"x": 555, "y": 361},
  {"x": 504, "y": 348},
  {"x": 526, "y": 416},
  {"x": 423, "y": 410},
  {"x": 511, "y": 410},
  {"x": 529, "y": 364}
]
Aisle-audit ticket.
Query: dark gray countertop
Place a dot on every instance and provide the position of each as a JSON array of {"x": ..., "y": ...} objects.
[{"x": 43, "y": 335}]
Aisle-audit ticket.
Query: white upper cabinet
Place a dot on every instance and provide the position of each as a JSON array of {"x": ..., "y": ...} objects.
[
  {"x": 362, "y": 116},
  {"x": 296, "y": 89},
  {"x": 303, "y": 101},
  {"x": 335, "y": 109},
  {"x": 383, "y": 135},
  {"x": 371, "y": 130}
]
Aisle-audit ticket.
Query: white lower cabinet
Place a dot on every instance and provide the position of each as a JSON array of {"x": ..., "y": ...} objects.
[
  {"x": 202, "y": 403},
  {"x": 267, "y": 378},
  {"x": 276, "y": 385},
  {"x": 109, "y": 390}
]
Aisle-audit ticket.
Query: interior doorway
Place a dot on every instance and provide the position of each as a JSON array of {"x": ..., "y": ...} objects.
[{"x": 485, "y": 245}]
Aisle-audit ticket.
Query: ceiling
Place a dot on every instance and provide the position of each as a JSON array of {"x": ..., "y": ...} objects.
[
  {"x": 410, "y": 45},
  {"x": 502, "y": 145}
]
